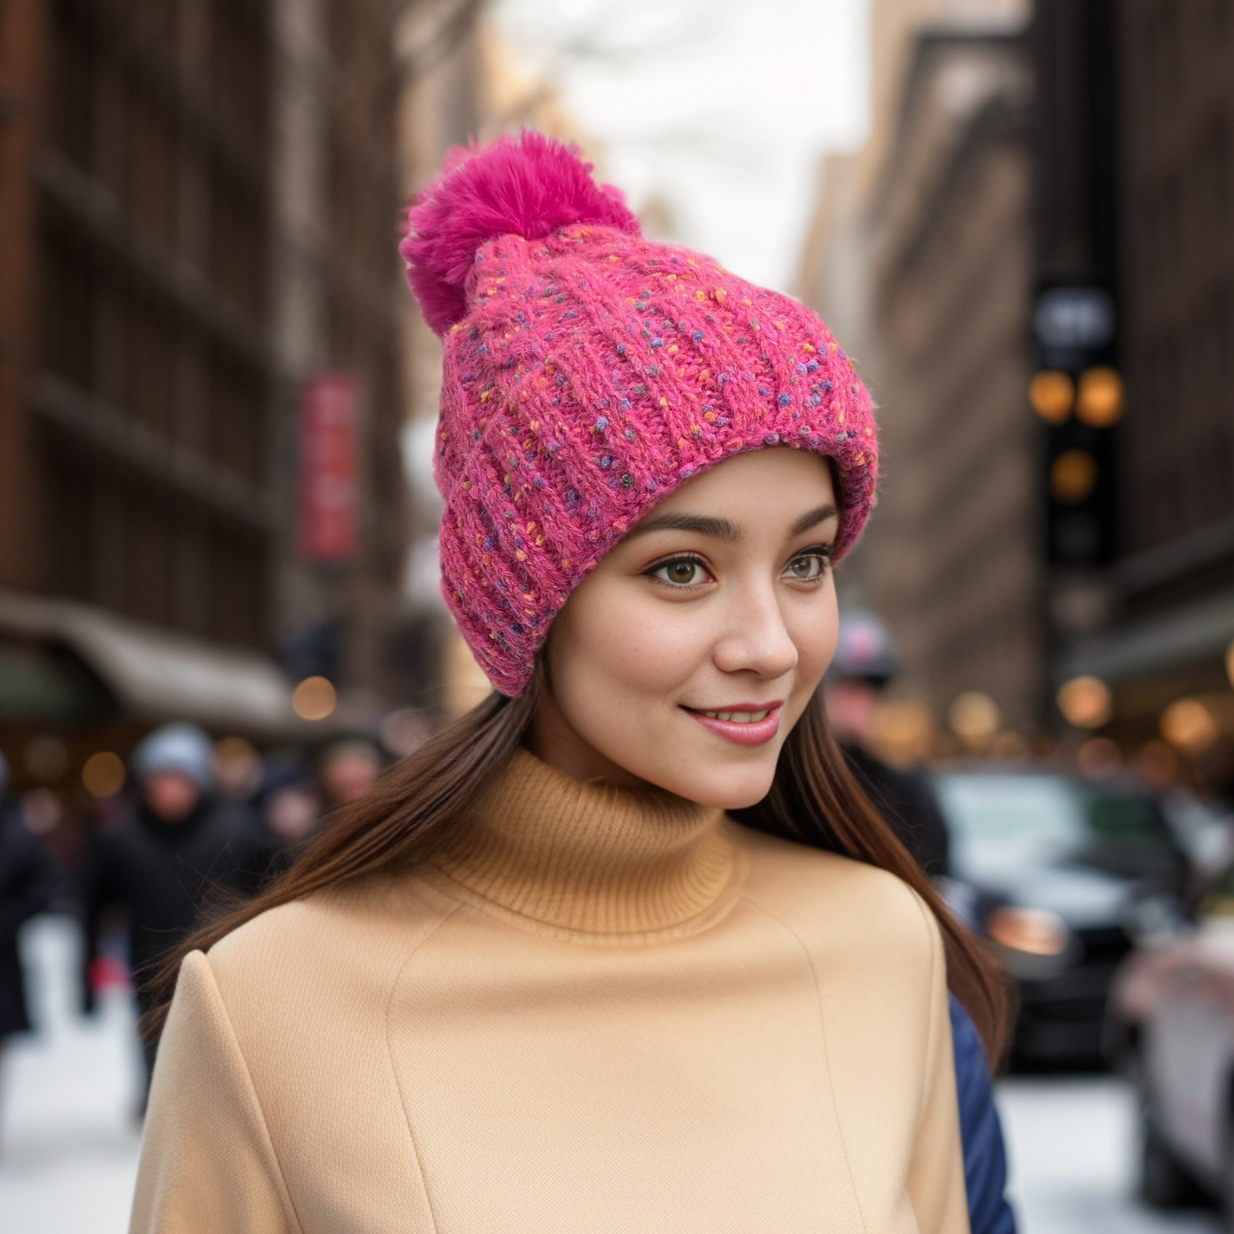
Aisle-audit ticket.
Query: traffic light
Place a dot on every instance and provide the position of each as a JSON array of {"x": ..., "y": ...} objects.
[{"x": 1077, "y": 393}]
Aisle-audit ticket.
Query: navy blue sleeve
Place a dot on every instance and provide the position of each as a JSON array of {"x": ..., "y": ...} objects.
[{"x": 985, "y": 1157}]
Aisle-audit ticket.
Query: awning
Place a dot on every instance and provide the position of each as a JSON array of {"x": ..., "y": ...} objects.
[
  {"x": 150, "y": 673},
  {"x": 1188, "y": 636}
]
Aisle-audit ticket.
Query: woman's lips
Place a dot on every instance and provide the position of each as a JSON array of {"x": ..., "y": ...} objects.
[{"x": 748, "y": 724}]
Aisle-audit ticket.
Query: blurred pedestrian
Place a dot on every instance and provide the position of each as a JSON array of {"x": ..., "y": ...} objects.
[
  {"x": 28, "y": 880},
  {"x": 174, "y": 848},
  {"x": 865, "y": 662},
  {"x": 237, "y": 768},
  {"x": 346, "y": 770},
  {"x": 289, "y": 807},
  {"x": 537, "y": 978}
]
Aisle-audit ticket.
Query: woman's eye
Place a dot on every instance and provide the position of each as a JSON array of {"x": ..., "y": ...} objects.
[
  {"x": 682, "y": 572},
  {"x": 808, "y": 566}
]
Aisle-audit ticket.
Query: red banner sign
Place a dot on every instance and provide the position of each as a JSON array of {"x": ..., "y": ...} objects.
[{"x": 327, "y": 482}]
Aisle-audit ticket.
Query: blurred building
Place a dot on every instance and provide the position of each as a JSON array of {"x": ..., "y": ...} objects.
[
  {"x": 921, "y": 258},
  {"x": 1164, "y": 641},
  {"x": 198, "y": 208},
  {"x": 1040, "y": 223},
  {"x": 951, "y": 254},
  {"x": 337, "y": 299}
]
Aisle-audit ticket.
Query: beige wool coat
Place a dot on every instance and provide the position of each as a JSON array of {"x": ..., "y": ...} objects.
[{"x": 592, "y": 1013}]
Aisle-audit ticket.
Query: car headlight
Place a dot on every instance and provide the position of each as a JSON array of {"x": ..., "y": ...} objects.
[{"x": 1030, "y": 931}]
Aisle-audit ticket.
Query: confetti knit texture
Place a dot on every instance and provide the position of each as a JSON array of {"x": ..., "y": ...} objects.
[{"x": 587, "y": 372}]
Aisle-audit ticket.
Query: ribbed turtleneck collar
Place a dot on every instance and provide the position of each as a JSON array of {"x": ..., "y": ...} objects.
[{"x": 560, "y": 856}]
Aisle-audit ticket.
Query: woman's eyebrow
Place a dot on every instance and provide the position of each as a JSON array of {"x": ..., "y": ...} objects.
[
  {"x": 721, "y": 528},
  {"x": 716, "y": 528},
  {"x": 806, "y": 521}
]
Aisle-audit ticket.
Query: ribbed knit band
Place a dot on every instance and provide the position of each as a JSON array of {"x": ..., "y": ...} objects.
[
  {"x": 570, "y": 857},
  {"x": 594, "y": 373}
]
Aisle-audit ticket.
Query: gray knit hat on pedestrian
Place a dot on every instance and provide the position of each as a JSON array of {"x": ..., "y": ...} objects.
[{"x": 175, "y": 747}]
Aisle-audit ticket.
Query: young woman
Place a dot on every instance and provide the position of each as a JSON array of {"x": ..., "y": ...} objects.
[{"x": 539, "y": 980}]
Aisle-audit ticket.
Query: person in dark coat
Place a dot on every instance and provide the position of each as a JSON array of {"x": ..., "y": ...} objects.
[
  {"x": 864, "y": 663},
  {"x": 178, "y": 848},
  {"x": 28, "y": 880},
  {"x": 981, "y": 1134}
]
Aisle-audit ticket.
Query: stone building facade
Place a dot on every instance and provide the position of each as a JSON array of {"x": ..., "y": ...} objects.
[
  {"x": 198, "y": 211},
  {"x": 1169, "y": 636},
  {"x": 1090, "y": 148},
  {"x": 939, "y": 210}
]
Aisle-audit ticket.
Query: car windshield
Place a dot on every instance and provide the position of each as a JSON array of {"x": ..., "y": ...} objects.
[{"x": 1000, "y": 821}]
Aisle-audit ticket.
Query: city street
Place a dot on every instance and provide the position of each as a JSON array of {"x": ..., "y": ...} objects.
[
  {"x": 1072, "y": 1152},
  {"x": 70, "y": 1146},
  {"x": 68, "y": 1138}
]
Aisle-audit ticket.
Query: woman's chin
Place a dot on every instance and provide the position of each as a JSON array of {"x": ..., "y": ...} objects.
[{"x": 726, "y": 787}]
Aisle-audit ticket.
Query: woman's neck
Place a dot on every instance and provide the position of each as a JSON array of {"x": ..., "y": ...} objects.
[
  {"x": 564, "y": 856},
  {"x": 553, "y": 741}
]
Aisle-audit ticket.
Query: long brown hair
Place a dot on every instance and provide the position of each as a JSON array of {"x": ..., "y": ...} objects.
[{"x": 814, "y": 800}]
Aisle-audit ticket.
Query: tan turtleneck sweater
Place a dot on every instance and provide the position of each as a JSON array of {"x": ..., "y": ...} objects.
[{"x": 595, "y": 1012}]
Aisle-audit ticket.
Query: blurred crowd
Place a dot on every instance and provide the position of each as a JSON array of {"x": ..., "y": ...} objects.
[{"x": 198, "y": 824}]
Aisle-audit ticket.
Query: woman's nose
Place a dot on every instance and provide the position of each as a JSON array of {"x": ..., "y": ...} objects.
[{"x": 756, "y": 638}]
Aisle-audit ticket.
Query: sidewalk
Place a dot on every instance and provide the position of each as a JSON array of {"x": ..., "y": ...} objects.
[
  {"x": 68, "y": 1140},
  {"x": 1071, "y": 1142}
]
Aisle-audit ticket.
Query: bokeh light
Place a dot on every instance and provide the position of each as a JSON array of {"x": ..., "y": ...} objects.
[
  {"x": 1189, "y": 726},
  {"x": 974, "y": 717},
  {"x": 42, "y": 811},
  {"x": 103, "y": 774},
  {"x": 314, "y": 698},
  {"x": 1085, "y": 702},
  {"x": 1052, "y": 394},
  {"x": 1036, "y": 931},
  {"x": 902, "y": 730},
  {"x": 1100, "y": 403},
  {"x": 1073, "y": 476}
]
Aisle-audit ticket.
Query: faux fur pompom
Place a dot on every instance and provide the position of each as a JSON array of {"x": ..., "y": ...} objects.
[{"x": 528, "y": 185}]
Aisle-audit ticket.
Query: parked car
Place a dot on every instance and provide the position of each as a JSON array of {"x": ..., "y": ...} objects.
[
  {"x": 1054, "y": 865},
  {"x": 1171, "y": 1028}
]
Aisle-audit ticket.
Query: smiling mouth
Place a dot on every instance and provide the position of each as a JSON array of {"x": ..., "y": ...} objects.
[
  {"x": 747, "y": 724},
  {"x": 734, "y": 717}
]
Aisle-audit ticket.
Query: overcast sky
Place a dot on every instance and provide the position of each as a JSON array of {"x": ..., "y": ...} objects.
[{"x": 718, "y": 108}]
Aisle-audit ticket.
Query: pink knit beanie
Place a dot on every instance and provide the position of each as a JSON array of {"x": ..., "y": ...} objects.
[{"x": 587, "y": 372}]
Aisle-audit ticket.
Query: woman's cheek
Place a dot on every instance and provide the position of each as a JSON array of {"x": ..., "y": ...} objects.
[
  {"x": 819, "y": 652},
  {"x": 815, "y": 637},
  {"x": 643, "y": 645}
]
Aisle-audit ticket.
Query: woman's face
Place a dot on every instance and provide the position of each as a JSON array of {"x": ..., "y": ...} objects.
[{"x": 686, "y": 656}]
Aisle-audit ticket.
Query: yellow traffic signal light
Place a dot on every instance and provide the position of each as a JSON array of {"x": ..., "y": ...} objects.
[
  {"x": 1100, "y": 403},
  {"x": 1052, "y": 394},
  {"x": 1073, "y": 476}
]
